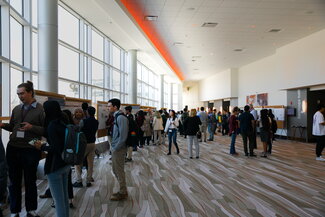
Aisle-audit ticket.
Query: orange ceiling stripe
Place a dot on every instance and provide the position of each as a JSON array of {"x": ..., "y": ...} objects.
[{"x": 148, "y": 28}]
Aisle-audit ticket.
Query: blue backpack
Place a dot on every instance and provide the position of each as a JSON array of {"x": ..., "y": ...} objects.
[{"x": 75, "y": 144}]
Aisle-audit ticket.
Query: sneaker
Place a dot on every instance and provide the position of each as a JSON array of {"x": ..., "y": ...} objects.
[
  {"x": 253, "y": 155},
  {"x": 320, "y": 158},
  {"x": 14, "y": 215},
  {"x": 191, "y": 157},
  {"x": 88, "y": 184},
  {"x": 77, "y": 185},
  {"x": 119, "y": 196},
  {"x": 168, "y": 153},
  {"x": 246, "y": 154},
  {"x": 32, "y": 214},
  {"x": 197, "y": 157},
  {"x": 52, "y": 204},
  {"x": 264, "y": 155}
]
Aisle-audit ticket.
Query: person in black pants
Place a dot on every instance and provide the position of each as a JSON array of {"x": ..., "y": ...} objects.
[
  {"x": 26, "y": 123},
  {"x": 3, "y": 175},
  {"x": 246, "y": 125}
]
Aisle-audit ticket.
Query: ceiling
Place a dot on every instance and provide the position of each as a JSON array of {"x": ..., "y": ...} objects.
[{"x": 202, "y": 51}]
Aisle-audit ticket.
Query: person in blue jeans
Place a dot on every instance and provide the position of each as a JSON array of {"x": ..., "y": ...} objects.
[
  {"x": 55, "y": 168},
  {"x": 233, "y": 128},
  {"x": 171, "y": 129}
]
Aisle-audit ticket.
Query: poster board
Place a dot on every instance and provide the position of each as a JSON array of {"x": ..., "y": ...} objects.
[
  {"x": 146, "y": 108},
  {"x": 135, "y": 107},
  {"x": 42, "y": 96},
  {"x": 102, "y": 116},
  {"x": 72, "y": 104}
]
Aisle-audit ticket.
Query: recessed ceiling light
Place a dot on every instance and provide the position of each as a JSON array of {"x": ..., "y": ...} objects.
[
  {"x": 191, "y": 9},
  {"x": 238, "y": 50},
  {"x": 178, "y": 43},
  {"x": 151, "y": 18},
  {"x": 196, "y": 69},
  {"x": 275, "y": 30},
  {"x": 309, "y": 12},
  {"x": 209, "y": 24}
]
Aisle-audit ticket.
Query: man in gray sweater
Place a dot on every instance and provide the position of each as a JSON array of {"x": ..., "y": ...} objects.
[
  {"x": 26, "y": 123},
  {"x": 118, "y": 147}
]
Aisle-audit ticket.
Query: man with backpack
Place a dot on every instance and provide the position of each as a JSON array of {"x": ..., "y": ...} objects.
[
  {"x": 89, "y": 127},
  {"x": 131, "y": 142},
  {"x": 119, "y": 148}
]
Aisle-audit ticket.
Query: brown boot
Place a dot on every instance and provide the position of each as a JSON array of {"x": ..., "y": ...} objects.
[{"x": 118, "y": 196}]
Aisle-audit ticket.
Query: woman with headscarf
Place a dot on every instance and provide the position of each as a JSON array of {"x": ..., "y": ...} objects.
[{"x": 56, "y": 169}]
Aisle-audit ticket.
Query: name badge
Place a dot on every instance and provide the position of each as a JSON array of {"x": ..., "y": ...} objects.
[
  {"x": 170, "y": 131},
  {"x": 20, "y": 134}
]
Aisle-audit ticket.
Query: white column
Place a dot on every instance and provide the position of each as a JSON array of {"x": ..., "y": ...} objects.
[
  {"x": 162, "y": 90},
  {"x": 180, "y": 97},
  {"x": 48, "y": 45},
  {"x": 133, "y": 77},
  {"x": 171, "y": 96}
]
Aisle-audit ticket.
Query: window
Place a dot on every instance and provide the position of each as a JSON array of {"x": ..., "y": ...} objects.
[
  {"x": 97, "y": 74},
  {"x": 68, "y": 27},
  {"x": 97, "y": 45},
  {"x": 97, "y": 95},
  {"x": 68, "y": 88},
  {"x": 68, "y": 64},
  {"x": 116, "y": 80},
  {"x": 139, "y": 72},
  {"x": 116, "y": 57},
  {"x": 35, "y": 81},
  {"x": 17, "y": 5},
  {"x": 16, "y": 78},
  {"x": 35, "y": 51},
  {"x": 34, "y": 13},
  {"x": 16, "y": 41}
]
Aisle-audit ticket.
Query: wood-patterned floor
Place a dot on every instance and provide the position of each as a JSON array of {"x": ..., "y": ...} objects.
[{"x": 289, "y": 183}]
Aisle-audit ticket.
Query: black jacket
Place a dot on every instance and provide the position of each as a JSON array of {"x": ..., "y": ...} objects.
[
  {"x": 56, "y": 135},
  {"x": 191, "y": 125},
  {"x": 89, "y": 128},
  {"x": 3, "y": 172}
]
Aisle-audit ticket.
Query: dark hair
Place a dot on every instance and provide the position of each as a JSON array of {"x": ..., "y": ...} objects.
[
  {"x": 160, "y": 111},
  {"x": 174, "y": 114},
  {"x": 246, "y": 108},
  {"x": 185, "y": 109},
  {"x": 29, "y": 87},
  {"x": 320, "y": 106},
  {"x": 235, "y": 109},
  {"x": 128, "y": 108},
  {"x": 91, "y": 111},
  {"x": 52, "y": 112},
  {"x": 84, "y": 106},
  {"x": 265, "y": 119},
  {"x": 141, "y": 113},
  {"x": 69, "y": 115},
  {"x": 202, "y": 108},
  {"x": 115, "y": 102}
]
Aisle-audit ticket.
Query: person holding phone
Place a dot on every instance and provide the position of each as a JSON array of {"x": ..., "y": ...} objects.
[
  {"x": 26, "y": 123},
  {"x": 171, "y": 129}
]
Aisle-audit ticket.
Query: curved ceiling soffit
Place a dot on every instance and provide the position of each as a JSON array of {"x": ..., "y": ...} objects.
[{"x": 135, "y": 11}]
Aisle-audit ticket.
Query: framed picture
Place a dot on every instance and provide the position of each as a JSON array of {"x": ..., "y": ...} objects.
[{"x": 262, "y": 99}]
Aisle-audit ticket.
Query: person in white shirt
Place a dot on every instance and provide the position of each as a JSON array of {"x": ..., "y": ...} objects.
[
  {"x": 255, "y": 115},
  {"x": 319, "y": 131},
  {"x": 171, "y": 129}
]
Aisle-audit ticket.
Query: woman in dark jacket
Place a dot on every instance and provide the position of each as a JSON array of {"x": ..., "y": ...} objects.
[
  {"x": 140, "y": 121},
  {"x": 3, "y": 175},
  {"x": 56, "y": 169},
  {"x": 191, "y": 128}
]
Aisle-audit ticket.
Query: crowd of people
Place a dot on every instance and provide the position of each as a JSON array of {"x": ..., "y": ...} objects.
[{"x": 42, "y": 131}]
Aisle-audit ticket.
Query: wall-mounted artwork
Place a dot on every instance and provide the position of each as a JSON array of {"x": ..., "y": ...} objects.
[
  {"x": 251, "y": 100},
  {"x": 262, "y": 99}
]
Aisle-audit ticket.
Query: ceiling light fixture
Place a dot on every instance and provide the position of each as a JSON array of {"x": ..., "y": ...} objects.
[
  {"x": 275, "y": 30},
  {"x": 178, "y": 43},
  {"x": 151, "y": 18},
  {"x": 238, "y": 50},
  {"x": 191, "y": 9},
  {"x": 209, "y": 24}
]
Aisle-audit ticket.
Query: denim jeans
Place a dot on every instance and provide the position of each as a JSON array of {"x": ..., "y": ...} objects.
[
  {"x": 172, "y": 138},
  {"x": 58, "y": 182},
  {"x": 211, "y": 131},
  {"x": 232, "y": 144},
  {"x": 190, "y": 140}
]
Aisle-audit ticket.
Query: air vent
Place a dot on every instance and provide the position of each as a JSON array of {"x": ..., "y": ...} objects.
[
  {"x": 275, "y": 30},
  {"x": 151, "y": 18},
  {"x": 238, "y": 50},
  {"x": 209, "y": 24}
]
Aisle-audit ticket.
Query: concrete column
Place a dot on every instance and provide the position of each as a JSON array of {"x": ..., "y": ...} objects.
[
  {"x": 162, "y": 90},
  {"x": 48, "y": 45},
  {"x": 180, "y": 96},
  {"x": 171, "y": 96},
  {"x": 133, "y": 77}
]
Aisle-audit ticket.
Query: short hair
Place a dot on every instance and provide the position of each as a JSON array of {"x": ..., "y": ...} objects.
[
  {"x": 160, "y": 111},
  {"x": 320, "y": 106},
  {"x": 91, "y": 111},
  {"x": 128, "y": 108},
  {"x": 202, "y": 108},
  {"x": 246, "y": 108},
  {"x": 235, "y": 109},
  {"x": 115, "y": 102},
  {"x": 84, "y": 106},
  {"x": 193, "y": 113},
  {"x": 29, "y": 87},
  {"x": 185, "y": 109}
]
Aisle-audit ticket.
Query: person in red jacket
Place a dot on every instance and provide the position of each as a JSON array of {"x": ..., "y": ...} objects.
[{"x": 233, "y": 128}]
